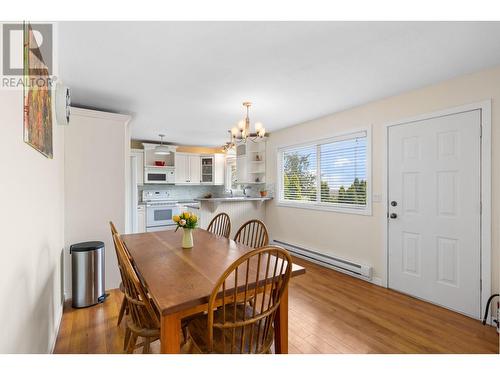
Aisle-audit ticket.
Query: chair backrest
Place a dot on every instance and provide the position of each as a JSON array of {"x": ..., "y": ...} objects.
[
  {"x": 250, "y": 292},
  {"x": 220, "y": 225},
  {"x": 253, "y": 233},
  {"x": 113, "y": 228},
  {"x": 141, "y": 310}
]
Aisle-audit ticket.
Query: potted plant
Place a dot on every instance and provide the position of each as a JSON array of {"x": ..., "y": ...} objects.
[
  {"x": 263, "y": 193},
  {"x": 187, "y": 221}
]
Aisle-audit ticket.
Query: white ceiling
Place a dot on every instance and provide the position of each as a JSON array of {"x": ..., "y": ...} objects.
[{"x": 188, "y": 79}]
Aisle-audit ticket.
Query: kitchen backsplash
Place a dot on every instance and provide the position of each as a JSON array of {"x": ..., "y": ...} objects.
[{"x": 187, "y": 192}]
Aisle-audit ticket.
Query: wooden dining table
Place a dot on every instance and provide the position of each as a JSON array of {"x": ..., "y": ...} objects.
[{"x": 180, "y": 281}]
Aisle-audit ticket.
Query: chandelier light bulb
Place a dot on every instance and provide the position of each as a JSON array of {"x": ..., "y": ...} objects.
[
  {"x": 234, "y": 131},
  {"x": 262, "y": 132},
  {"x": 258, "y": 127},
  {"x": 241, "y": 125}
]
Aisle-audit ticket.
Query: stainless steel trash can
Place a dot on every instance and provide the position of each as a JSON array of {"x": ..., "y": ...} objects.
[{"x": 87, "y": 267}]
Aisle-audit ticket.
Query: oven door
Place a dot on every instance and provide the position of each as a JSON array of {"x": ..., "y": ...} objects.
[{"x": 159, "y": 216}]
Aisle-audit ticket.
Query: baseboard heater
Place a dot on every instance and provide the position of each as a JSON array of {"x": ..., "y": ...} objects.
[{"x": 358, "y": 270}]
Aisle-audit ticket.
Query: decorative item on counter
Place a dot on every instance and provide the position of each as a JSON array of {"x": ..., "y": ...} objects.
[
  {"x": 257, "y": 179},
  {"x": 263, "y": 193},
  {"x": 187, "y": 221},
  {"x": 159, "y": 163},
  {"x": 257, "y": 157},
  {"x": 208, "y": 195}
]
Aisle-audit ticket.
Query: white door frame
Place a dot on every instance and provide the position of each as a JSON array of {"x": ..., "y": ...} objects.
[{"x": 485, "y": 107}]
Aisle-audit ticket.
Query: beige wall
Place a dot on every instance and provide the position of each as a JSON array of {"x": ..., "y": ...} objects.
[
  {"x": 360, "y": 238},
  {"x": 97, "y": 154},
  {"x": 32, "y": 231}
]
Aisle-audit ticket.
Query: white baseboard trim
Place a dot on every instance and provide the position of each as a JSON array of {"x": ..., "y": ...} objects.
[
  {"x": 377, "y": 281},
  {"x": 59, "y": 320}
]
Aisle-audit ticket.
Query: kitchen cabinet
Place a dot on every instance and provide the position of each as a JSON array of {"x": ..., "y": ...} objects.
[
  {"x": 187, "y": 169},
  {"x": 139, "y": 165},
  {"x": 219, "y": 170},
  {"x": 141, "y": 219},
  {"x": 207, "y": 169}
]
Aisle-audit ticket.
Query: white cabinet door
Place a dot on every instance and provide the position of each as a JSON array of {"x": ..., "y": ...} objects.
[
  {"x": 139, "y": 165},
  {"x": 194, "y": 169},
  {"x": 434, "y": 215},
  {"x": 141, "y": 219},
  {"x": 220, "y": 163},
  {"x": 181, "y": 168}
]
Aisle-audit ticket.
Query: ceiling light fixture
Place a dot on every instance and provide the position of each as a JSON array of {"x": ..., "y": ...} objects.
[
  {"x": 162, "y": 149},
  {"x": 241, "y": 132}
]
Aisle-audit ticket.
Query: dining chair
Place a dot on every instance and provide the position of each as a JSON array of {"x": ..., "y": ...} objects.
[
  {"x": 123, "y": 307},
  {"x": 253, "y": 234},
  {"x": 220, "y": 225},
  {"x": 143, "y": 320},
  {"x": 249, "y": 293}
]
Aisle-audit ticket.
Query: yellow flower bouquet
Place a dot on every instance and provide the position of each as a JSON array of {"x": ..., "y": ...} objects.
[{"x": 186, "y": 220}]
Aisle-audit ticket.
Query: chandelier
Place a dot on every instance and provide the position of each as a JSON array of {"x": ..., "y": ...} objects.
[{"x": 241, "y": 133}]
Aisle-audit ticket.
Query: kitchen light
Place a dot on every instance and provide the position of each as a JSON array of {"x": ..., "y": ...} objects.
[
  {"x": 162, "y": 149},
  {"x": 241, "y": 132}
]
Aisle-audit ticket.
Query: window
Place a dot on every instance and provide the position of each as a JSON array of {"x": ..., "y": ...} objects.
[{"x": 330, "y": 174}]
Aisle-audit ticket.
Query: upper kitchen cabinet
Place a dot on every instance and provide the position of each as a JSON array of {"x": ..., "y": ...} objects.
[
  {"x": 219, "y": 170},
  {"x": 187, "y": 169},
  {"x": 212, "y": 169},
  {"x": 152, "y": 159},
  {"x": 251, "y": 163}
]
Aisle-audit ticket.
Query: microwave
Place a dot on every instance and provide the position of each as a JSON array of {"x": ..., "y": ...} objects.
[{"x": 162, "y": 175}]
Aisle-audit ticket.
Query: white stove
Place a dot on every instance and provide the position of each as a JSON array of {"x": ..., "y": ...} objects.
[{"x": 159, "y": 210}]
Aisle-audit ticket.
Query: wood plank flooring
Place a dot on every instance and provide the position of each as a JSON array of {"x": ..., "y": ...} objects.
[{"x": 329, "y": 313}]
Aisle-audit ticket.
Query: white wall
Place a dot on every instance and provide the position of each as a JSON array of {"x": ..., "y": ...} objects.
[
  {"x": 360, "y": 238},
  {"x": 97, "y": 148},
  {"x": 32, "y": 232}
]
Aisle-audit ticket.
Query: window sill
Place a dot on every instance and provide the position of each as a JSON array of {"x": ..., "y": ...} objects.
[{"x": 367, "y": 211}]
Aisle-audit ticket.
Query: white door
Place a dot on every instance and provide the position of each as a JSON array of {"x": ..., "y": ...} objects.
[{"x": 434, "y": 231}]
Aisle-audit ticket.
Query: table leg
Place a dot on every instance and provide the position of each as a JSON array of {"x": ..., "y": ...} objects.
[
  {"x": 281, "y": 325},
  {"x": 170, "y": 339}
]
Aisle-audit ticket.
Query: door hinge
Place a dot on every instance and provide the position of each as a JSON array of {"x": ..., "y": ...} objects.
[
  {"x": 481, "y": 131},
  {"x": 480, "y": 284},
  {"x": 480, "y": 208}
]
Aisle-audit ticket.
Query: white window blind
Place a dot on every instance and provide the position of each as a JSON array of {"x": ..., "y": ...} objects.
[
  {"x": 299, "y": 174},
  {"x": 343, "y": 171},
  {"x": 330, "y": 173}
]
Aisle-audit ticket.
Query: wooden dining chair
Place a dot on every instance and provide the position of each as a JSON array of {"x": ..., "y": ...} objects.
[
  {"x": 123, "y": 307},
  {"x": 249, "y": 293},
  {"x": 253, "y": 233},
  {"x": 220, "y": 225},
  {"x": 143, "y": 320}
]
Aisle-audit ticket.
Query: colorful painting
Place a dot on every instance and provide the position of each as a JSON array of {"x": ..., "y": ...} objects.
[{"x": 37, "y": 97}]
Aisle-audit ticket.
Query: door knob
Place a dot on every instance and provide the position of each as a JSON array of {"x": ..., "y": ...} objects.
[
  {"x": 394, "y": 203},
  {"x": 393, "y": 216}
]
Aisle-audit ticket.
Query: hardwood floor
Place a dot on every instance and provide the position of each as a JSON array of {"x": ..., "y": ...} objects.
[{"x": 329, "y": 313}]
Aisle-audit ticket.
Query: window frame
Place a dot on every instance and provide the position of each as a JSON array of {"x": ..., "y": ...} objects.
[
  {"x": 323, "y": 206},
  {"x": 227, "y": 176}
]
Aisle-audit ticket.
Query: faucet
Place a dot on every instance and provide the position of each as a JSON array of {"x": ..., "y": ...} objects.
[
  {"x": 231, "y": 192},
  {"x": 245, "y": 190}
]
